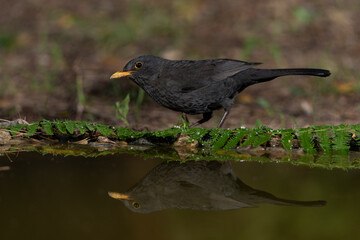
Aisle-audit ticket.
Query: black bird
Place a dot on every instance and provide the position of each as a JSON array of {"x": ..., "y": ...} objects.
[
  {"x": 200, "y": 86},
  {"x": 198, "y": 185}
]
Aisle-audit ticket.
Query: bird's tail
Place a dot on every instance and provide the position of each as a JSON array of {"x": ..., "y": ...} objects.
[
  {"x": 263, "y": 75},
  {"x": 285, "y": 202}
]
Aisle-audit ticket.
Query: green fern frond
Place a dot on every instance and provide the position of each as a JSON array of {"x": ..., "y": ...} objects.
[
  {"x": 171, "y": 132},
  {"x": 125, "y": 134},
  {"x": 70, "y": 126},
  {"x": 214, "y": 134},
  {"x": 261, "y": 139},
  {"x": 81, "y": 126},
  {"x": 306, "y": 141},
  {"x": 47, "y": 126},
  {"x": 90, "y": 126},
  {"x": 104, "y": 130},
  {"x": 237, "y": 136},
  {"x": 31, "y": 129},
  {"x": 329, "y": 138},
  {"x": 17, "y": 128},
  {"x": 60, "y": 126},
  {"x": 341, "y": 139},
  {"x": 287, "y": 135},
  {"x": 257, "y": 136},
  {"x": 325, "y": 140},
  {"x": 196, "y": 134},
  {"x": 220, "y": 139}
]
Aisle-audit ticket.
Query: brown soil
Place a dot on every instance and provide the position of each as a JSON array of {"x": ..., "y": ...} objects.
[{"x": 52, "y": 50}]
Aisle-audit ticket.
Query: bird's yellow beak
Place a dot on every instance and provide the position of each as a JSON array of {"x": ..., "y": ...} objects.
[
  {"x": 119, "y": 196},
  {"x": 121, "y": 74}
]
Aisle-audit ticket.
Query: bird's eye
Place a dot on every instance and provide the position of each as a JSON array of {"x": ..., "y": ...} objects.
[
  {"x": 138, "y": 65},
  {"x": 135, "y": 205}
]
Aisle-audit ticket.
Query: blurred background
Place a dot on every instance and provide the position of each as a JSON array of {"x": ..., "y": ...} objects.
[{"x": 56, "y": 57}]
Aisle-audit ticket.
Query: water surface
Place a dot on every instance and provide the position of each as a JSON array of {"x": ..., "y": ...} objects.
[{"x": 56, "y": 197}]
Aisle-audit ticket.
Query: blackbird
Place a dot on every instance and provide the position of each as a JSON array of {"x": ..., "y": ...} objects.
[
  {"x": 198, "y": 185},
  {"x": 200, "y": 86}
]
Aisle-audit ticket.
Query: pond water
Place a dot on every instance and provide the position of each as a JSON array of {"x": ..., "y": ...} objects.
[{"x": 57, "y": 197}]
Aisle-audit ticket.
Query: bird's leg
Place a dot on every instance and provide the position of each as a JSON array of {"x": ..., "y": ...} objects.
[
  {"x": 206, "y": 117},
  {"x": 223, "y": 118}
]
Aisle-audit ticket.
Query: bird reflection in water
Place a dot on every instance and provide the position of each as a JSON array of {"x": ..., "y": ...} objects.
[{"x": 200, "y": 185}]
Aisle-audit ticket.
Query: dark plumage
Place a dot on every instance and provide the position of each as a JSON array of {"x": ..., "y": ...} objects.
[
  {"x": 201, "y": 86},
  {"x": 200, "y": 185}
]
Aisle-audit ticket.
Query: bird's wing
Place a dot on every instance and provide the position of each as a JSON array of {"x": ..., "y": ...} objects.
[
  {"x": 196, "y": 196},
  {"x": 187, "y": 75},
  {"x": 226, "y": 68},
  {"x": 226, "y": 203}
]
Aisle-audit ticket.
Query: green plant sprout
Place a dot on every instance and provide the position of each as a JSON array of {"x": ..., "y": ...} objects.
[{"x": 122, "y": 109}]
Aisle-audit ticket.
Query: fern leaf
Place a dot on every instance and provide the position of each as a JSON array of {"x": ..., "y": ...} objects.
[
  {"x": 31, "y": 129},
  {"x": 104, "y": 130},
  {"x": 324, "y": 138},
  {"x": 172, "y": 132},
  {"x": 122, "y": 133},
  {"x": 286, "y": 139},
  {"x": 70, "y": 126},
  {"x": 261, "y": 138},
  {"x": 256, "y": 137},
  {"x": 60, "y": 126},
  {"x": 221, "y": 139},
  {"x": 236, "y": 138},
  {"x": 90, "y": 126},
  {"x": 214, "y": 134},
  {"x": 341, "y": 139},
  {"x": 196, "y": 134},
  {"x": 81, "y": 126},
  {"x": 306, "y": 141},
  {"x": 47, "y": 126},
  {"x": 17, "y": 128}
]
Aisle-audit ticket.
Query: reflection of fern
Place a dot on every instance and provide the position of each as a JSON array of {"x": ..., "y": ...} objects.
[
  {"x": 322, "y": 138},
  {"x": 327, "y": 161}
]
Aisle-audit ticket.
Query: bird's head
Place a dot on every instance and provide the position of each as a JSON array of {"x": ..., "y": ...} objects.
[
  {"x": 141, "y": 69},
  {"x": 139, "y": 201},
  {"x": 129, "y": 202}
]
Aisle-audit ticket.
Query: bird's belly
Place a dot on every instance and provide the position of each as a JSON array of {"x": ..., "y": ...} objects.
[
  {"x": 196, "y": 102},
  {"x": 183, "y": 103}
]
